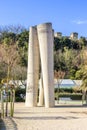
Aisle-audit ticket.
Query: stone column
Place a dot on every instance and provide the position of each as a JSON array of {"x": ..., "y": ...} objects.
[
  {"x": 33, "y": 69},
  {"x": 41, "y": 92},
  {"x": 45, "y": 37}
]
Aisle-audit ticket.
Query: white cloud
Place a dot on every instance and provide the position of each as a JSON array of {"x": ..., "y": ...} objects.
[{"x": 80, "y": 22}]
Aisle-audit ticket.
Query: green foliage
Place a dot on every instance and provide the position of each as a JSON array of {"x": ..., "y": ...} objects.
[
  {"x": 19, "y": 99},
  {"x": 3, "y": 70},
  {"x": 68, "y": 61},
  {"x": 18, "y": 92},
  {"x": 73, "y": 93},
  {"x": 8, "y": 35},
  {"x": 82, "y": 42},
  {"x": 61, "y": 43},
  {"x": 84, "y": 78},
  {"x": 22, "y": 42},
  {"x": 68, "y": 55},
  {"x": 13, "y": 49},
  {"x": 73, "y": 96},
  {"x": 79, "y": 74},
  {"x": 68, "y": 90}
]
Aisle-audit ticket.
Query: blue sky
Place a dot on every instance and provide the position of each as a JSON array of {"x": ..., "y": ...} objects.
[{"x": 66, "y": 15}]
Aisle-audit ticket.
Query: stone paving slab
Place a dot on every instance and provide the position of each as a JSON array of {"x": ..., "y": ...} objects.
[
  {"x": 58, "y": 118},
  {"x": 7, "y": 124},
  {"x": 40, "y": 118}
]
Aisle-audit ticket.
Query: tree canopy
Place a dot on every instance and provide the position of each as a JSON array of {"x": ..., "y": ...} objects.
[{"x": 68, "y": 53}]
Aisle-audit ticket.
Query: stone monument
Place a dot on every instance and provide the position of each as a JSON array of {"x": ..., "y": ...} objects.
[{"x": 40, "y": 47}]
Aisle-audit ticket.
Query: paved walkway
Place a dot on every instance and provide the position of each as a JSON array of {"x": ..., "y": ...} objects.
[
  {"x": 40, "y": 118},
  {"x": 7, "y": 124}
]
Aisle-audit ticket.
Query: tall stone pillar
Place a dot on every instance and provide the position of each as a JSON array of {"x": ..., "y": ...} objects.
[
  {"x": 45, "y": 37},
  {"x": 33, "y": 69}
]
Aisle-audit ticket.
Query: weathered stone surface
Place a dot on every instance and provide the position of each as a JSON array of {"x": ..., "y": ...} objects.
[
  {"x": 41, "y": 38},
  {"x": 45, "y": 37},
  {"x": 33, "y": 69}
]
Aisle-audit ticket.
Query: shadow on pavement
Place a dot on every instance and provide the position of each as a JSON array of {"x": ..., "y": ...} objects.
[
  {"x": 47, "y": 118},
  {"x": 7, "y": 124},
  {"x": 2, "y": 125}
]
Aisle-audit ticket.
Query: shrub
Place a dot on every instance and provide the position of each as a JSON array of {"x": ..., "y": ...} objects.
[
  {"x": 20, "y": 94},
  {"x": 73, "y": 96},
  {"x": 19, "y": 99},
  {"x": 70, "y": 90}
]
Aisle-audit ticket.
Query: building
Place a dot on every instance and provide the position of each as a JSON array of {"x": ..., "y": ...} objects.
[
  {"x": 58, "y": 34},
  {"x": 74, "y": 36}
]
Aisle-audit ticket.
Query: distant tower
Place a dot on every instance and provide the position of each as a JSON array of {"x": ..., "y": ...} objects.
[
  {"x": 58, "y": 34},
  {"x": 74, "y": 36}
]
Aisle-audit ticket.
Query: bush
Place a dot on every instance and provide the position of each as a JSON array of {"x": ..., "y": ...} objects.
[
  {"x": 19, "y": 91},
  {"x": 73, "y": 96},
  {"x": 20, "y": 94},
  {"x": 69, "y": 90},
  {"x": 19, "y": 99}
]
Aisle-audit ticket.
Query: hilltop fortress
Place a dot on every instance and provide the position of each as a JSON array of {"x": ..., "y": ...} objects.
[{"x": 73, "y": 35}]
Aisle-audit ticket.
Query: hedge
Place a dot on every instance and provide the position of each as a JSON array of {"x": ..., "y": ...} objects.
[{"x": 73, "y": 96}]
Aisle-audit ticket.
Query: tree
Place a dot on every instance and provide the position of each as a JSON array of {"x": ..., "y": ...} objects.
[
  {"x": 69, "y": 60},
  {"x": 22, "y": 42},
  {"x": 58, "y": 75},
  {"x": 84, "y": 85},
  {"x": 59, "y": 61},
  {"x": 84, "y": 75},
  {"x": 82, "y": 42},
  {"x": 8, "y": 56},
  {"x": 19, "y": 72}
]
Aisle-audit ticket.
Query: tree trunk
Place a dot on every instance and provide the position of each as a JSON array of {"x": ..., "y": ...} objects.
[
  {"x": 6, "y": 111},
  {"x": 2, "y": 105}
]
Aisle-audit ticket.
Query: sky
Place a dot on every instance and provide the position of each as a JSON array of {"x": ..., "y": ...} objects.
[{"x": 66, "y": 16}]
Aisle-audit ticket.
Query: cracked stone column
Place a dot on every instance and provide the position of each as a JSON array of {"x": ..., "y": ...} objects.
[
  {"x": 33, "y": 69},
  {"x": 45, "y": 37}
]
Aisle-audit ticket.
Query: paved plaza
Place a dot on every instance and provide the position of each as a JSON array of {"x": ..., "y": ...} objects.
[{"x": 40, "y": 118}]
